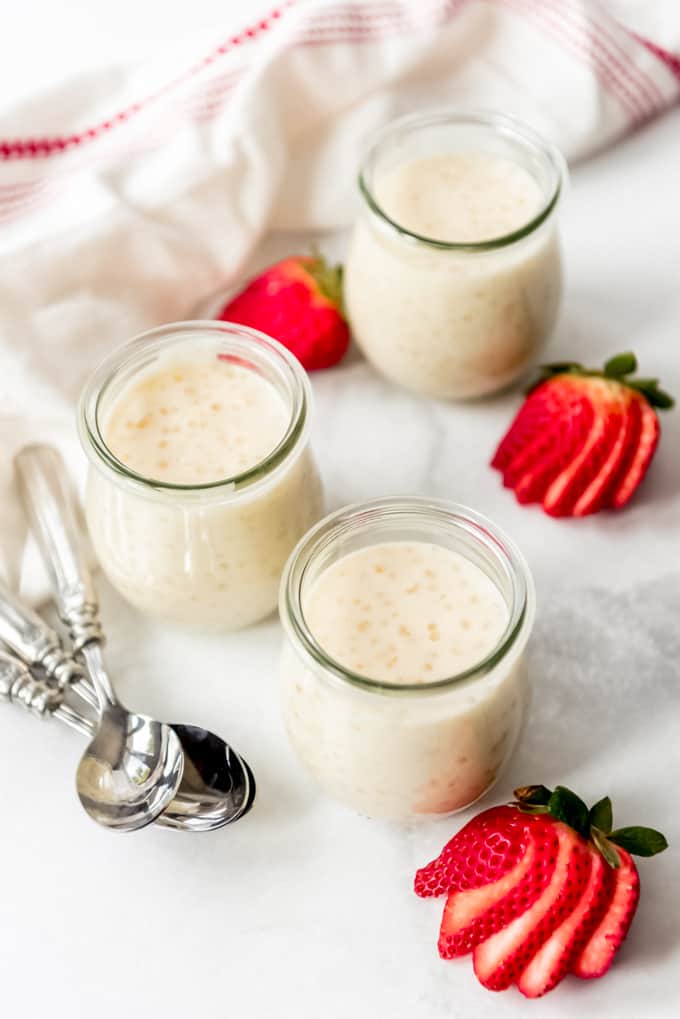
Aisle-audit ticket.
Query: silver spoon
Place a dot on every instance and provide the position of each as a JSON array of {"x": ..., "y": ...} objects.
[
  {"x": 217, "y": 786},
  {"x": 132, "y": 768}
]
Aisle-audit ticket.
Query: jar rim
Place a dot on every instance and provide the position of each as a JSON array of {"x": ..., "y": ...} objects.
[
  {"x": 500, "y": 123},
  {"x": 163, "y": 337},
  {"x": 338, "y": 524}
]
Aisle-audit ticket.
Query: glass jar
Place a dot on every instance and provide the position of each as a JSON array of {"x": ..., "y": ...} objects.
[
  {"x": 405, "y": 752},
  {"x": 454, "y": 320},
  {"x": 209, "y": 554}
]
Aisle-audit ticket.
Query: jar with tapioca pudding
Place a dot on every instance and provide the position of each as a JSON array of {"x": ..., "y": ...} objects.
[
  {"x": 403, "y": 667},
  {"x": 201, "y": 476},
  {"x": 453, "y": 276}
]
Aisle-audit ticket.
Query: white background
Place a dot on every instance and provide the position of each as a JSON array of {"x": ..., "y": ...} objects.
[{"x": 304, "y": 909}]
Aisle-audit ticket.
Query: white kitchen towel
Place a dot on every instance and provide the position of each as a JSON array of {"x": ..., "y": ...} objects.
[{"x": 129, "y": 193}]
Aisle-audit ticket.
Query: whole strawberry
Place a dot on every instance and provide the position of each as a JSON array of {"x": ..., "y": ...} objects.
[
  {"x": 538, "y": 889},
  {"x": 298, "y": 302},
  {"x": 583, "y": 440}
]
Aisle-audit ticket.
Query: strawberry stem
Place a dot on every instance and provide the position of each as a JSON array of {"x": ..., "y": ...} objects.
[
  {"x": 328, "y": 278},
  {"x": 594, "y": 824},
  {"x": 618, "y": 368}
]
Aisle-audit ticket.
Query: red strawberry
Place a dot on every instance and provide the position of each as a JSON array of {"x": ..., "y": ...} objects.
[
  {"x": 298, "y": 302},
  {"x": 482, "y": 852},
  {"x": 557, "y": 893},
  {"x": 636, "y": 463},
  {"x": 600, "y": 949},
  {"x": 470, "y": 917},
  {"x": 556, "y": 956},
  {"x": 501, "y": 959},
  {"x": 583, "y": 440}
]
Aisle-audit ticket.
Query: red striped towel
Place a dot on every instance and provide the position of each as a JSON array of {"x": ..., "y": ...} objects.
[{"x": 125, "y": 195}]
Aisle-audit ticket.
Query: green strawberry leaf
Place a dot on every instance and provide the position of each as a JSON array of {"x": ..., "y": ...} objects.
[
  {"x": 564, "y": 805},
  {"x": 533, "y": 795},
  {"x": 600, "y": 815},
  {"x": 328, "y": 278},
  {"x": 606, "y": 848},
  {"x": 621, "y": 364},
  {"x": 660, "y": 399},
  {"x": 649, "y": 388},
  {"x": 639, "y": 841},
  {"x": 560, "y": 368}
]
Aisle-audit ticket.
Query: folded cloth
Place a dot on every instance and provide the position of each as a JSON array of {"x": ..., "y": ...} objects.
[{"x": 128, "y": 193}]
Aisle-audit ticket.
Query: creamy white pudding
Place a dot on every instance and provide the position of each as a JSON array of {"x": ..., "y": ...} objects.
[
  {"x": 195, "y": 421},
  {"x": 405, "y": 612},
  {"x": 453, "y": 277},
  {"x": 202, "y": 479},
  {"x": 403, "y": 680}
]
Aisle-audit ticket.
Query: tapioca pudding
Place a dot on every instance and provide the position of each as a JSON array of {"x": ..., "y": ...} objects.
[
  {"x": 202, "y": 479},
  {"x": 402, "y": 696},
  {"x": 453, "y": 275}
]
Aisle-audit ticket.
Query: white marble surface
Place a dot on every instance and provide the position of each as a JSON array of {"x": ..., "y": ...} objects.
[{"x": 303, "y": 909}]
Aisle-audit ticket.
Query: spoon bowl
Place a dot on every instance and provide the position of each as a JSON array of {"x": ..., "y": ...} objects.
[
  {"x": 129, "y": 773},
  {"x": 217, "y": 785}
]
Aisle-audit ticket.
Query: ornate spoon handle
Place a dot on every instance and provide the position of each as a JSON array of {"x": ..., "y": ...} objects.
[
  {"x": 18, "y": 686},
  {"x": 44, "y": 486},
  {"x": 37, "y": 644}
]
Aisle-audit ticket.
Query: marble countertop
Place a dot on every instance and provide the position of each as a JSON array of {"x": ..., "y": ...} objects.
[{"x": 303, "y": 909}]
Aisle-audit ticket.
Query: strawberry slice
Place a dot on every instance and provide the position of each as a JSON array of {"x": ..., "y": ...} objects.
[
  {"x": 533, "y": 417},
  {"x": 640, "y": 458},
  {"x": 533, "y": 474},
  {"x": 562, "y": 495},
  {"x": 583, "y": 440},
  {"x": 557, "y": 437},
  {"x": 554, "y": 959},
  {"x": 473, "y": 916},
  {"x": 480, "y": 853},
  {"x": 500, "y": 960},
  {"x": 604, "y": 942},
  {"x": 596, "y": 495}
]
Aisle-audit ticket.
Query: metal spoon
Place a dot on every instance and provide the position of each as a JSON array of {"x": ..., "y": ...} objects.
[
  {"x": 132, "y": 768},
  {"x": 217, "y": 787}
]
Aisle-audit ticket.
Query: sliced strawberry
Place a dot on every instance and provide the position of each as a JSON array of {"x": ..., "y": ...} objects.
[
  {"x": 648, "y": 440},
  {"x": 536, "y": 413},
  {"x": 473, "y": 916},
  {"x": 500, "y": 960},
  {"x": 596, "y": 495},
  {"x": 604, "y": 942},
  {"x": 583, "y": 440},
  {"x": 554, "y": 959},
  {"x": 565, "y": 902},
  {"x": 480, "y": 853},
  {"x": 569, "y": 485},
  {"x": 536, "y": 474}
]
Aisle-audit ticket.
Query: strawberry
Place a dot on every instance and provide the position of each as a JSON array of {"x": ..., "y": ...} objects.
[
  {"x": 482, "y": 852},
  {"x": 500, "y": 960},
  {"x": 583, "y": 440},
  {"x": 470, "y": 917},
  {"x": 298, "y": 302},
  {"x": 598, "y": 953},
  {"x": 557, "y": 956},
  {"x": 538, "y": 888}
]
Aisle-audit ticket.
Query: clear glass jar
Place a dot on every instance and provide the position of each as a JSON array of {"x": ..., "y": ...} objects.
[
  {"x": 209, "y": 554},
  {"x": 454, "y": 320},
  {"x": 405, "y": 752}
]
